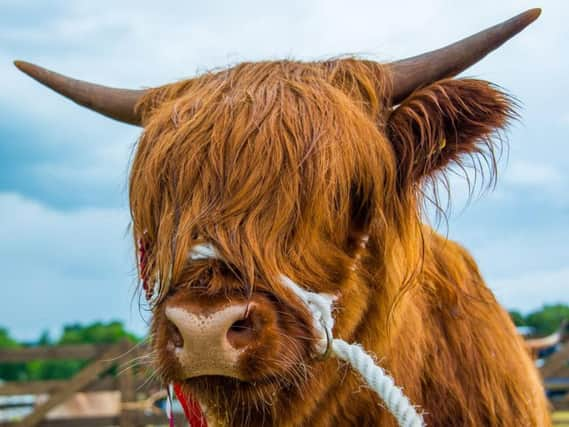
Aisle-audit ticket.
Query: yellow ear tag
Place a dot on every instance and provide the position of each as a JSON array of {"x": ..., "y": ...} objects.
[{"x": 442, "y": 144}]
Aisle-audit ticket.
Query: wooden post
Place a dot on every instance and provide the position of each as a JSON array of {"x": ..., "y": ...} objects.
[
  {"x": 126, "y": 387},
  {"x": 555, "y": 363},
  {"x": 78, "y": 382}
]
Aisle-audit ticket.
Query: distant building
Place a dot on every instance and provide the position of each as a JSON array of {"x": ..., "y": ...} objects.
[{"x": 525, "y": 331}]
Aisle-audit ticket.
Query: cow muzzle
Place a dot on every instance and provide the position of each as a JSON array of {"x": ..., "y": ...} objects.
[{"x": 211, "y": 342}]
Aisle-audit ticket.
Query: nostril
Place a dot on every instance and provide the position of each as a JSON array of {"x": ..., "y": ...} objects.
[
  {"x": 241, "y": 325},
  {"x": 241, "y": 332},
  {"x": 175, "y": 335}
]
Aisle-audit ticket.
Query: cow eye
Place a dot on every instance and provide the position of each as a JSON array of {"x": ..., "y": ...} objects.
[
  {"x": 227, "y": 271},
  {"x": 204, "y": 278}
]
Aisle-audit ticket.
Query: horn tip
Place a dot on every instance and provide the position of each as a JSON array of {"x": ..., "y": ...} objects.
[
  {"x": 532, "y": 14},
  {"x": 20, "y": 64},
  {"x": 25, "y": 67}
]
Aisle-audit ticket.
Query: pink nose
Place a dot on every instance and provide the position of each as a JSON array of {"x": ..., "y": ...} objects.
[{"x": 210, "y": 343}]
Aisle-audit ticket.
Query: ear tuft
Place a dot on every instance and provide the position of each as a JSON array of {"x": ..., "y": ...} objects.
[{"x": 443, "y": 122}]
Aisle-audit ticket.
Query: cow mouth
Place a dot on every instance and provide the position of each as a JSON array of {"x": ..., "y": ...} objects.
[
  {"x": 224, "y": 380},
  {"x": 244, "y": 402},
  {"x": 225, "y": 389}
]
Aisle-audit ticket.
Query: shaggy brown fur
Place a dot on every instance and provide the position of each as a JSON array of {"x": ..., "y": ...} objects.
[{"x": 284, "y": 167}]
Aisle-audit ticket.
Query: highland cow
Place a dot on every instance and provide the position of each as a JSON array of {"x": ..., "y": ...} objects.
[{"x": 317, "y": 171}]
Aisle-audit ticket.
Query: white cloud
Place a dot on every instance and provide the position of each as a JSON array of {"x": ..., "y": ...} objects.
[
  {"x": 534, "y": 174},
  {"x": 62, "y": 267},
  {"x": 527, "y": 290}
]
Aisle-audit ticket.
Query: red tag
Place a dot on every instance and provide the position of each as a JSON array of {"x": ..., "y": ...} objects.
[
  {"x": 142, "y": 265},
  {"x": 192, "y": 409}
]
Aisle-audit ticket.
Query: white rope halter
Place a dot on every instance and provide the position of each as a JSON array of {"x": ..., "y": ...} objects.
[{"x": 320, "y": 306}]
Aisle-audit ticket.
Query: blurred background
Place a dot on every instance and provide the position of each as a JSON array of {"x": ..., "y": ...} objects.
[{"x": 66, "y": 256}]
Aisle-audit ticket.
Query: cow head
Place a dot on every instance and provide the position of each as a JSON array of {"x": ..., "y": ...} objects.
[{"x": 309, "y": 170}]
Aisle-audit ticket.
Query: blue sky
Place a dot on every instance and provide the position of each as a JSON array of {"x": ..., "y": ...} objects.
[{"x": 65, "y": 249}]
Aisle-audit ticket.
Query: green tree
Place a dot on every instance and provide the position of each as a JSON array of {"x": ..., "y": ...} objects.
[
  {"x": 548, "y": 319},
  {"x": 44, "y": 339},
  {"x": 10, "y": 371},
  {"x": 95, "y": 333},
  {"x": 6, "y": 341},
  {"x": 518, "y": 318}
]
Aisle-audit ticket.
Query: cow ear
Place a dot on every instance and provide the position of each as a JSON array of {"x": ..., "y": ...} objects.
[{"x": 441, "y": 123}]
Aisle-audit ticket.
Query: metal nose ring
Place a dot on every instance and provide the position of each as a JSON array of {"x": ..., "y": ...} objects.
[{"x": 328, "y": 350}]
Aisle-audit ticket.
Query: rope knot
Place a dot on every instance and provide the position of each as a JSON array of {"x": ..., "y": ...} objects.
[{"x": 320, "y": 307}]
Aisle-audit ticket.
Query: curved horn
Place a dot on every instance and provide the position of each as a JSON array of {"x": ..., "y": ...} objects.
[
  {"x": 118, "y": 104},
  {"x": 413, "y": 73}
]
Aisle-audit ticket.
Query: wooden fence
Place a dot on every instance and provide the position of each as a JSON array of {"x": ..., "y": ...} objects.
[
  {"x": 555, "y": 374},
  {"x": 136, "y": 391}
]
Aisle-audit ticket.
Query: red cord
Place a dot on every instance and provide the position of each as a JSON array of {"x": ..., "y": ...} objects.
[
  {"x": 142, "y": 265},
  {"x": 192, "y": 409}
]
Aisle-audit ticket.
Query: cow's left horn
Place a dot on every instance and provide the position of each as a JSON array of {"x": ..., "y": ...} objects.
[
  {"x": 118, "y": 104},
  {"x": 416, "y": 72}
]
